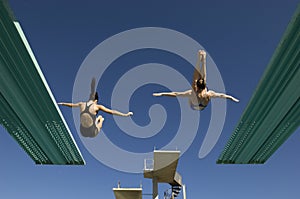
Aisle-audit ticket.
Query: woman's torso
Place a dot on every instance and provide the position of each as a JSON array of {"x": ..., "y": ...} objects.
[
  {"x": 199, "y": 100},
  {"x": 88, "y": 114}
]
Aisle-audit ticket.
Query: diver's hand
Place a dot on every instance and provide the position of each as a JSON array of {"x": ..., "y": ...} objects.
[
  {"x": 234, "y": 99},
  {"x": 157, "y": 94},
  {"x": 129, "y": 114}
]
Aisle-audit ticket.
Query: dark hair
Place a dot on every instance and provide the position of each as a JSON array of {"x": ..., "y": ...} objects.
[
  {"x": 96, "y": 96},
  {"x": 202, "y": 85}
]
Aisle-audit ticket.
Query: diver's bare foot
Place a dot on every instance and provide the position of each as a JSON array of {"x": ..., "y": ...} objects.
[
  {"x": 100, "y": 119},
  {"x": 202, "y": 54}
]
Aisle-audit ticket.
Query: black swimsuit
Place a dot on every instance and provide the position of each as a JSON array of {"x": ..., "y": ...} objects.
[
  {"x": 92, "y": 130},
  {"x": 199, "y": 106}
]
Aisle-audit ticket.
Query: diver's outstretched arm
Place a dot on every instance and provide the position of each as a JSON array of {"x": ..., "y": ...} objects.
[
  {"x": 113, "y": 112},
  {"x": 70, "y": 104},
  {"x": 221, "y": 95},
  {"x": 174, "y": 94}
]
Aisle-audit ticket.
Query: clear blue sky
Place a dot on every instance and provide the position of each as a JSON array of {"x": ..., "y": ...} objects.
[{"x": 240, "y": 36}]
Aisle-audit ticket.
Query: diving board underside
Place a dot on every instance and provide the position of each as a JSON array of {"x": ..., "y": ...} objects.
[
  {"x": 128, "y": 193},
  {"x": 165, "y": 167},
  {"x": 272, "y": 114},
  {"x": 28, "y": 110}
]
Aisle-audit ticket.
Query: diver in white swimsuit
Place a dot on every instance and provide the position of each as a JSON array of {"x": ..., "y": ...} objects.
[{"x": 199, "y": 96}]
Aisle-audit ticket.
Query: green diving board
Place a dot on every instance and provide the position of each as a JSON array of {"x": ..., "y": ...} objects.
[
  {"x": 273, "y": 112},
  {"x": 28, "y": 110}
]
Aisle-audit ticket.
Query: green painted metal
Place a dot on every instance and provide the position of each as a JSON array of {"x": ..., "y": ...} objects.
[
  {"x": 272, "y": 114},
  {"x": 28, "y": 109}
]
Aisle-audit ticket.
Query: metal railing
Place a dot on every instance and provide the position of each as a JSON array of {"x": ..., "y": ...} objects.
[{"x": 148, "y": 164}]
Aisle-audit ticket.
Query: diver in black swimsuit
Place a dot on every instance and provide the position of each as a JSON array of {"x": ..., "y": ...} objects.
[
  {"x": 90, "y": 124},
  {"x": 199, "y": 96}
]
